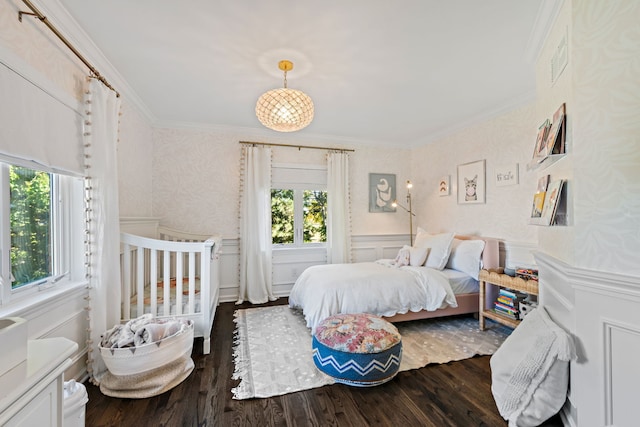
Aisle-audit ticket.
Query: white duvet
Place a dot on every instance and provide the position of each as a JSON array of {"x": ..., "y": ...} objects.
[{"x": 368, "y": 287}]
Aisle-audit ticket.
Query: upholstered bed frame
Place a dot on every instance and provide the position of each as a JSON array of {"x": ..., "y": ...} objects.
[{"x": 467, "y": 303}]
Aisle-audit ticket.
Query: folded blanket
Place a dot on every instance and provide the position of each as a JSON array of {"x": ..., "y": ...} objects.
[
  {"x": 153, "y": 332},
  {"x": 141, "y": 330}
]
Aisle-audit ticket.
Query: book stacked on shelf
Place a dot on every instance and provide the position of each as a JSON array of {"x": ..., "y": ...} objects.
[{"x": 507, "y": 303}]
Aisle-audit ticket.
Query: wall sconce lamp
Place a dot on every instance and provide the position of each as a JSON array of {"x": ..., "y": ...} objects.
[{"x": 410, "y": 210}]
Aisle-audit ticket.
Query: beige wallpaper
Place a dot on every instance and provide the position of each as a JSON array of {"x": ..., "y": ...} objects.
[
  {"x": 135, "y": 162},
  {"x": 601, "y": 89},
  {"x": 606, "y": 134},
  {"x": 196, "y": 180},
  {"x": 504, "y": 141}
]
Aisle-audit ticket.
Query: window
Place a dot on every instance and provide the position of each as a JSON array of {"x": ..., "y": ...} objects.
[
  {"x": 299, "y": 205},
  {"x": 30, "y": 194},
  {"x": 36, "y": 230},
  {"x": 298, "y": 216}
]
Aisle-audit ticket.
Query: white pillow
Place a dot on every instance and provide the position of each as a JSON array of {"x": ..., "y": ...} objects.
[
  {"x": 530, "y": 370},
  {"x": 411, "y": 256},
  {"x": 466, "y": 256},
  {"x": 417, "y": 256},
  {"x": 439, "y": 247}
]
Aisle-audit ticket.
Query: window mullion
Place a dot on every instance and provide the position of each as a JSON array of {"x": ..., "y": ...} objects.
[
  {"x": 5, "y": 235},
  {"x": 298, "y": 221}
]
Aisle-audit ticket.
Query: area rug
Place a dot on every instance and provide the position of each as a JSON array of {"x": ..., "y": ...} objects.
[{"x": 273, "y": 356}]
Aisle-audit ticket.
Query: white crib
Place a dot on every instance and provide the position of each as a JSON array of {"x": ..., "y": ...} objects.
[{"x": 174, "y": 276}]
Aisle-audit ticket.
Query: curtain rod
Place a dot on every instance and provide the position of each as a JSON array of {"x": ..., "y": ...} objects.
[
  {"x": 35, "y": 12},
  {"x": 298, "y": 146}
]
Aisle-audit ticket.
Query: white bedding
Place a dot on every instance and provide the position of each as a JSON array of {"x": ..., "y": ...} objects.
[
  {"x": 369, "y": 287},
  {"x": 461, "y": 283}
]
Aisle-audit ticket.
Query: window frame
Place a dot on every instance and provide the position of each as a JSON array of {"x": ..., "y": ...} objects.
[
  {"x": 298, "y": 220},
  {"x": 299, "y": 186},
  {"x": 67, "y": 223}
]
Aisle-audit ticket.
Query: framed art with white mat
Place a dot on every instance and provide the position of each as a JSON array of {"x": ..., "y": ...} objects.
[{"x": 471, "y": 182}]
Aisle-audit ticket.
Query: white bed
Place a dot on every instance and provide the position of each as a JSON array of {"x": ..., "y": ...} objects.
[
  {"x": 149, "y": 268},
  {"x": 398, "y": 293}
]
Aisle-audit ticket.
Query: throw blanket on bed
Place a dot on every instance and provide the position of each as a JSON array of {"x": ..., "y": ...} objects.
[{"x": 368, "y": 287}]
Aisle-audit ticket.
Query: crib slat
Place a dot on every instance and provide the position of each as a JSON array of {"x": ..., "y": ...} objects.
[
  {"x": 179, "y": 275},
  {"x": 126, "y": 282},
  {"x": 166, "y": 274},
  {"x": 192, "y": 282},
  {"x": 153, "y": 282},
  {"x": 139, "y": 270}
]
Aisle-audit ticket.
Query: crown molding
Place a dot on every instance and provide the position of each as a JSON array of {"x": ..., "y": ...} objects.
[{"x": 547, "y": 14}]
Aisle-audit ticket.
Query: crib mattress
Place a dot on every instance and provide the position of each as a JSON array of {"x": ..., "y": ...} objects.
[{"x": 133, "y": 312}]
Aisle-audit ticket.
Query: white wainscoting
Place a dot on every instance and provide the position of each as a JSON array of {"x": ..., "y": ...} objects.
[
  {"x": 289, "y": 263},
  {"x": 602, "y": 311}
]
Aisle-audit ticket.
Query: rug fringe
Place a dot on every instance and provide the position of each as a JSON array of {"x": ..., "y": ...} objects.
[{"x": 240, "y": 359}]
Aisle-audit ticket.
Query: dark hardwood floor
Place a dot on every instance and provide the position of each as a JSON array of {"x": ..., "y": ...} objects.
[{"x": 453, "y": 394}]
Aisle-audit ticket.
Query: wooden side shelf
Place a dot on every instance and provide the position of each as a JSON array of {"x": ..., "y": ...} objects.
[{"x": 497, "y": 277}]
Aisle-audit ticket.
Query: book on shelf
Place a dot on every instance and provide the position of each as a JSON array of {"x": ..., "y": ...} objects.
[
  {"x": 507, "y": 293},
  {"x": 540, "y": 149},
  {"x": 556, "y": 136},
  {"x": 539, "y": 198},
  {"x": 505, "y": 308},
  {"x": 551, "y": 202},
  {"x": 506, "y": 314},
  {"x": 504, "y": 300},
  {"x": 538, "y": 204}
]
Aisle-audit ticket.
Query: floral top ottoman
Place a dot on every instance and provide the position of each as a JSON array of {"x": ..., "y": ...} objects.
[{"x": 357, "y": 349}]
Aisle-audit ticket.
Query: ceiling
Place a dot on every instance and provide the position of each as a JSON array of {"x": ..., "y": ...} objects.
[{"x": 379, "y": 72}]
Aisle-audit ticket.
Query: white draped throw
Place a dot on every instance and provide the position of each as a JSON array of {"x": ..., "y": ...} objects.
[
  {"x": 103, "y": 237},
  {"x": 256, "y": 284},
  {"x": 339, "y": 215}
]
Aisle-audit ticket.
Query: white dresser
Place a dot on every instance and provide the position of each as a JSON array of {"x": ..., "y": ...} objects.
[{"x": 31, "y": 394}]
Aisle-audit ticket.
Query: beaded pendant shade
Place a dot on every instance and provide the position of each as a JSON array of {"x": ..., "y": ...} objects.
[{"x": 284, "y": 109}]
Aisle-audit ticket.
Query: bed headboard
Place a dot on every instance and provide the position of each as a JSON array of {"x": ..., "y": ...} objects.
[{"x": 491, "y": 252}]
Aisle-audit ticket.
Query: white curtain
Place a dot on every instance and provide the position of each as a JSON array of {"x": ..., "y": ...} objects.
[
  {"x": 256, "y": 284},
  {"x": 103, "y": 237},
  {"x": 339, "y": 209}
]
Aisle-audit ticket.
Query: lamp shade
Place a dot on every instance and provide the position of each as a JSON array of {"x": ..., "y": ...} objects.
[{"x": 284, "y": 110}]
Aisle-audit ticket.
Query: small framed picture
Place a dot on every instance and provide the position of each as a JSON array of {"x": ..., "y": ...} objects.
[
  {"x": 506, "y": 175},
  {"x": 382, "y": 192},
  {"x": 471, "y": 183},
  {"x": 444, "y": 185}
]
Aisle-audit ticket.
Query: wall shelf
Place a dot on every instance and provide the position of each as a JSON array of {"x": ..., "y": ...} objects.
[{"x": 544, "y": 162}]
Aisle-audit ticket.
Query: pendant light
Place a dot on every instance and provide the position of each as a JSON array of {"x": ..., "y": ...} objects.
[{"x": 284, "y": 109}]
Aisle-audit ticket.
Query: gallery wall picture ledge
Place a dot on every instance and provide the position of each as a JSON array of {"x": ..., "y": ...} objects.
[{"x": 471, "y": 182}]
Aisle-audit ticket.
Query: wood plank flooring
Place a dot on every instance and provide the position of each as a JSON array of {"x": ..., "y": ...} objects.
[{"x": 453, "y": 394}]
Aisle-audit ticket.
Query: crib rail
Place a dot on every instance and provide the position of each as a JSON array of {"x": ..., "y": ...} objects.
[{"x": 165, "y": 277}]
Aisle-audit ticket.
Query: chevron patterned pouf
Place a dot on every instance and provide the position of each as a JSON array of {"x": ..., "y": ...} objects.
[{"x": 357, "y": 349}]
